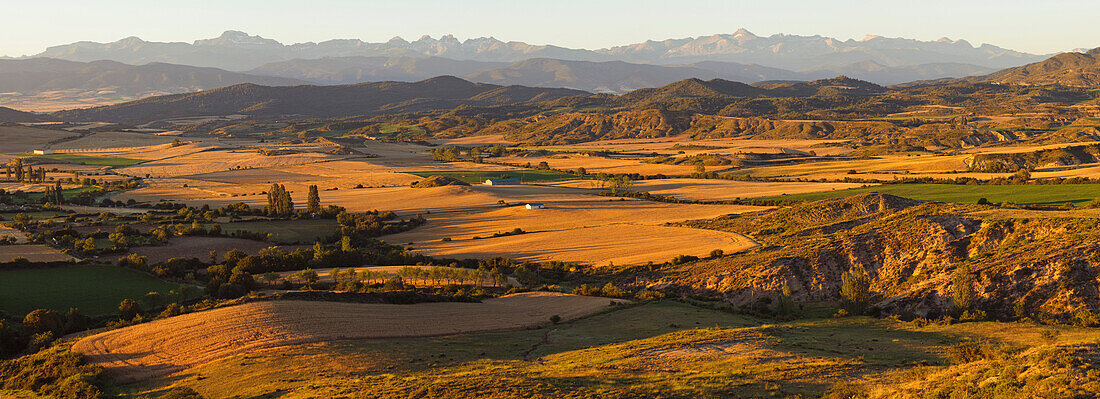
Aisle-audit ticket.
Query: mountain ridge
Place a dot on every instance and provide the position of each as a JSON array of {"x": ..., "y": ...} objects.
[{"x": 239, "y": 51}]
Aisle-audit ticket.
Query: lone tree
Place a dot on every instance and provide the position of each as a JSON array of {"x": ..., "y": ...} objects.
[
  {"x": 855, "y": 289},
  {"x": 43, "y": 320},
  {"x": 785, "y": 306},
  {"x": 962, "y": 288},
  {"x": 128, "y": 309},
  {"x": 313, "y": 203}
]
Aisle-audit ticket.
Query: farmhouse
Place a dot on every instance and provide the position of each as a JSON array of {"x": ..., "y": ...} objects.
[
  {"x": 501, "y": 182},
  {"x": 535, "y": 205},
  {"x": 39, "y": 151}
]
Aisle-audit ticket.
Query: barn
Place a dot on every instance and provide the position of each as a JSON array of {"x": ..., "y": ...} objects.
[
  {"x": 40, "y": 151},
  {"x": 535, "y": 205},
  {"x": 501, "y": 182}
]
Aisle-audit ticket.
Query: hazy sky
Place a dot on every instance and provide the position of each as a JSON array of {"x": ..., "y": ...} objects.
[{"x": 1038, "y": 26}]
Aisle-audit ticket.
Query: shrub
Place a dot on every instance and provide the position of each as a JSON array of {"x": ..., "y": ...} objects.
[
  {"x": 53, "y": 373},
  {"x": 555, "y": 319},
  {"x": 44, "y": 320}
]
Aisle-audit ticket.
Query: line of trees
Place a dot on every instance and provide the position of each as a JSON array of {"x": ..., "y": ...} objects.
[
  {"x": 29, "y": 174},
  {"x": 279, "y": 203}
]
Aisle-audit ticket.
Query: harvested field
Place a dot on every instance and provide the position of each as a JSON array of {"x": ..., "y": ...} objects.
[
  {"x": 112, "y": 140},
  {"x": 170, "y": 345},
  {"x": 18, "y": 139},
  {"x": 287, "y": 231},
  {"x": 563, "y": 213},
  {"x": 252, "y": 176},
  {"x": 624, "y": 244},
  {"x": 215, "y": 161},
  {"x": 33, "y": 253},
  {"x": 199, "y": 247},
  {"x": 19, "y": 236},
  {"x": 392, "y": 270},
  {"x": 719, "y": 190},
  {"x": 891, "y": 164},
  {"x": 595, "y": 164},
  {"x": 156, "y": 152}
]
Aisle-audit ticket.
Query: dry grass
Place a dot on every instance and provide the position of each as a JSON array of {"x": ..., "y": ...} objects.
[{"x": 170, "y": 345}]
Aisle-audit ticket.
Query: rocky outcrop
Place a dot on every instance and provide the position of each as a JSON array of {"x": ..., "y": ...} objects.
[{"x": 1034, "y": 266}]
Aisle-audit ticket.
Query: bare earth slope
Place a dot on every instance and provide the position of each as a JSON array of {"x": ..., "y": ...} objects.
[{"x": 166, "y": 346}]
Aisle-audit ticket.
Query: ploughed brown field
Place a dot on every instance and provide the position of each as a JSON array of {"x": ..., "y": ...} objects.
[{"x": 174, "y": 344}]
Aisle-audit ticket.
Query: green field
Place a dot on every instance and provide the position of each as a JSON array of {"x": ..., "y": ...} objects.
[
  {"x": 287, "y": 231},
  {"x": 92, "y": 159},
  {"x": 95, "y": 289},
  {"x": 1054, "y": 194},
  {"x": 479, "y": 176}
]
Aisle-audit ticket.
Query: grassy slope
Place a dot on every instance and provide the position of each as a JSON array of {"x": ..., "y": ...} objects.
[
  {"x": 479, "y": 176},
  {"x": 1055, "y": 194},
  {"x": 665, "y": 349},
  {"x": 95, "y": 289}
]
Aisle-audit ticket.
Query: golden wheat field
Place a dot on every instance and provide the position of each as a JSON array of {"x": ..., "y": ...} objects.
[
  {"x": 620, "y": 244},
  {"x": 170, "y": 345}
]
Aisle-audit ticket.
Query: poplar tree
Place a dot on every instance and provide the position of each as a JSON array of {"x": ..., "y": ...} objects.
[
  {"x": 855, "y": 289},
  {"x": 313, "y": 203}
]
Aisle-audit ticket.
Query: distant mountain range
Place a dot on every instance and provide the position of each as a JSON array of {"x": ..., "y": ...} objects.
[
  {"x": 89, "y": 74},
  {"x": 49, "y": 84},
  {"x": 238, "y": 51},
  {"x": 46, "y": 74}
]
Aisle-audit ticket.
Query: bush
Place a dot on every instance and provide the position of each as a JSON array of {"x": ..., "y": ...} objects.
[
  {"x": 54, "y": 372},
  {"x": 44, "y": 320},
  {"x": 972, "y": 351}
]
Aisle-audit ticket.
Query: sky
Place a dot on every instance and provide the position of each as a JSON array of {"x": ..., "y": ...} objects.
[{"x": 1042, "y": 27}]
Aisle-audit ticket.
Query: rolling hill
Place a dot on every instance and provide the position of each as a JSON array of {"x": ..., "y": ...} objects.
[
  {"x": 1067, "y": 69},
  {"x": 445, "y": 92},
  {"x": 15, "y": 116},
  {"x": 351, "y": 70}
]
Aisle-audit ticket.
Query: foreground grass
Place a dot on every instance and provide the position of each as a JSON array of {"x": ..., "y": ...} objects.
[
  {"x": 95, "y": 289},
  {"x": 479, "y": 176},
  {"x": 665, "y": 349},
  {"x": 92, "y": 159},
  {"x": 1054, "y": 194},
  {"x": 660, "y": 349}
]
